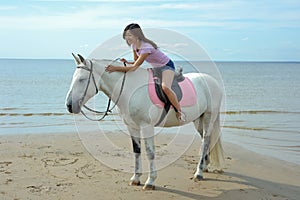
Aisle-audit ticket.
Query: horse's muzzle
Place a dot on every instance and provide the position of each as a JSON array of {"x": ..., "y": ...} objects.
[{"x": 72, "y": 107}]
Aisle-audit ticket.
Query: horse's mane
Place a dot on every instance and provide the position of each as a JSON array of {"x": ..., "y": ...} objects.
[{"x": 106, "y": 61}]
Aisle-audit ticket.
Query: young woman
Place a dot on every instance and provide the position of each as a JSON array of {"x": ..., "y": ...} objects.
[{"x": 146, "y": 50}]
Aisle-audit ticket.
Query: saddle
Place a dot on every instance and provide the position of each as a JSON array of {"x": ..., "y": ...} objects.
[
  {"x": 182, "y": 86},
  {"x": 157, "y": 77}
]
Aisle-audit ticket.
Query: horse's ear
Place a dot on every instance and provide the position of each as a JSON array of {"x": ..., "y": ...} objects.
[
  {"x": 81, "y": 59},
  {"x": 76, "y": 59}
]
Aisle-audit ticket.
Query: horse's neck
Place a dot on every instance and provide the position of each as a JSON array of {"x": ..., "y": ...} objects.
[
  {"x": 111, "y": 83},
  {"x": 108, "y": 82}
]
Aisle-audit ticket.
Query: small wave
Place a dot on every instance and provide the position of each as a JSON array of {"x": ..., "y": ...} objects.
[
  {"x": 13, "y": 123},
  {"x": 10, "y": 127},
  {"x": 246, "y": 128},
  {"x": 45, "y": 125},
  {"x": 294, "y": 148},
  {"x": 261, "y": 129},
  {"x": 258, "y": 112},
  {"x": 8, "y": 108},
  {"x": 32, "y": 114}
]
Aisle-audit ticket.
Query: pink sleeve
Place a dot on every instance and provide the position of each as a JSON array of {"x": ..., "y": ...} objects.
[{"x": 146, "y": 49}]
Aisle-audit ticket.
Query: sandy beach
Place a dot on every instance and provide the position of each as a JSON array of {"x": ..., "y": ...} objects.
[{"x": 57, "y": 166}]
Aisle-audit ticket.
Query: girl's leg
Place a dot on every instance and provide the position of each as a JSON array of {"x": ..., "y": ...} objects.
[{"x": 167, "y": 80}]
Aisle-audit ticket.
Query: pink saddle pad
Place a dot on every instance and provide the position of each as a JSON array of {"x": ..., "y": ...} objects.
[{"x": 189, "y": 97}]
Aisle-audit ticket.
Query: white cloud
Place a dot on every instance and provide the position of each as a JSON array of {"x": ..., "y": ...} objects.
[
  {"x": 90, "y": 18},
  {"x": 221, "y": 14},
  {"x": 113, "y": 1},
  {"x": 6, "y": 8},
  {"x": 196, "y": 5}
]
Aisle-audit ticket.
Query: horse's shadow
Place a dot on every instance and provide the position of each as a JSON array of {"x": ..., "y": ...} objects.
[
  {"x": 179, "y": 192},
  {"x": 274, "y": 189}
]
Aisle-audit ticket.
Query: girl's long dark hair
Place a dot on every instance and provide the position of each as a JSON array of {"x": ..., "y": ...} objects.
[{"x": 136, "y": 30}]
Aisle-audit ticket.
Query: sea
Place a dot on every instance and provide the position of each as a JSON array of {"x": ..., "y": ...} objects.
[{"x": 261, "y": 112}]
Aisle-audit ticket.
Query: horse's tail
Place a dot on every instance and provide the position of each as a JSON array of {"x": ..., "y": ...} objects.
[{"x": 216, "y": 154}]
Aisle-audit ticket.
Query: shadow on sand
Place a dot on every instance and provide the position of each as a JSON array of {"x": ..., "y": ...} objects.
[{"x": 269, "y": 190}]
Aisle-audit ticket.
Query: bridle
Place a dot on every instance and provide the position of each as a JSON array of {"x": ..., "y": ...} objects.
[
  {"x": 108, "y": 109},
  {"x": 91, "y": 75}
]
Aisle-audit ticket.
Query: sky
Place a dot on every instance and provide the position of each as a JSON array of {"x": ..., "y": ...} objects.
[{"x": 226, "y": 30}]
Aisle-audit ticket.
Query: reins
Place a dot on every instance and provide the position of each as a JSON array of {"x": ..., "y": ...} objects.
[{"x": 108, "y": 109}]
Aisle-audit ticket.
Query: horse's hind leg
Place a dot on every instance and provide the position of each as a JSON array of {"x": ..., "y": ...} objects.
[
  {"x": 198, "y": 123},
  {"x": 204, "y": 126},
  {"x": 136, "y": 144}
]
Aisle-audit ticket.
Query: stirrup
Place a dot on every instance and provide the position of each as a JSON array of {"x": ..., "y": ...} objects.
[{"x": 181, "y": 117}]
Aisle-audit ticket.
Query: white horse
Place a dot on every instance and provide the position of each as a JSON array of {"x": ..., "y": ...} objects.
[{"x": 140, "y": 115}]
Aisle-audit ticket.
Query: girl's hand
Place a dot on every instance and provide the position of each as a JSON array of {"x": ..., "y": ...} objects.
[
  {"x": 110, "y": 68},
  {"x": 123, "y": 60}
]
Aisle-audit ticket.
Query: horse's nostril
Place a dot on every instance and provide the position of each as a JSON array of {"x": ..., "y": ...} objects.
[{"x": 69, "y": 107}]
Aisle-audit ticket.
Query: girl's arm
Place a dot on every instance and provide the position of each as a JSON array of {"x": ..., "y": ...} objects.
[{"x": 138, "y": 62}]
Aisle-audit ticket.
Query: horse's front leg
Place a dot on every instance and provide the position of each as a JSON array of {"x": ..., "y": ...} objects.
[
  {"x": 150, "y": 150},
  {"x": 136, "y": 144}
]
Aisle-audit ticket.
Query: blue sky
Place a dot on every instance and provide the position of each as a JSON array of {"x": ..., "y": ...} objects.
[{"x": 227, "y": 30}]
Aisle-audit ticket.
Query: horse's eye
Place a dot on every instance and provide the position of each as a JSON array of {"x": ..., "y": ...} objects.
[{"x": 81, "y": 80}]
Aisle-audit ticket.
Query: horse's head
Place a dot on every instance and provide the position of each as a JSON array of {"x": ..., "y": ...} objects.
[{"x": 83, "y": 86}]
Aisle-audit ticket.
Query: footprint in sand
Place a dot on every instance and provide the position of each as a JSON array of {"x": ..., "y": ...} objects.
[
  {"x": 56, "y": 159},
  {"x": 60, "y": 165},
  {"x": 4, "y": 167},
  {"x": 38, "y": 189},
  {"x": 86, "y": 171},
  {"x": 47, "y": 189}
]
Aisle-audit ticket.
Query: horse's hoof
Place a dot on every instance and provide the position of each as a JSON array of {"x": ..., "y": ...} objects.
[
  {"x": 198, "y": 178},
  {"x": 135, "y": 183},
  {"x": 149, "y": 187}
]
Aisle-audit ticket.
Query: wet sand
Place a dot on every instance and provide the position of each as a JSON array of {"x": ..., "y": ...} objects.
[{"x": 57, "y": 166}]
